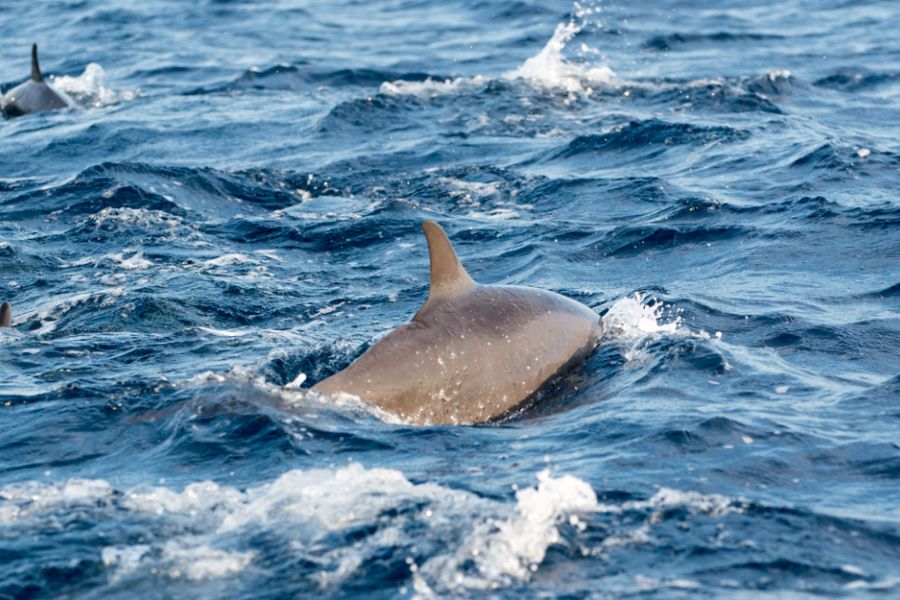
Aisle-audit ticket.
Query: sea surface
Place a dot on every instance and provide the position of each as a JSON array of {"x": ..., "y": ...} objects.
[{"x": 232, "y": 212}]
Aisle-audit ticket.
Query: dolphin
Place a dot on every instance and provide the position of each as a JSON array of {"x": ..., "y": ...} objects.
[
  {"x": 35, "y": 95},
  {"x": 472, "y": 353},
  {"x": 5, "y": 315}
]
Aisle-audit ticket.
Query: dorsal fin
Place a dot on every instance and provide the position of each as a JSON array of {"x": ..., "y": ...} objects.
[
  {"x": 448, "y": 277},
  {"x": 6, "y": 315},
  {"x": 35, "y": 67}
]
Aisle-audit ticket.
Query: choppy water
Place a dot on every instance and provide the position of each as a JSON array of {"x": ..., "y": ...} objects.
[{"x": 238, "y": 205}]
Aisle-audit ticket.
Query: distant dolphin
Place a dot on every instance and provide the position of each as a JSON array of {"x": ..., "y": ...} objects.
[
  {"x": 32, "y": 96},
  {"x": 5, "y": 315},
  {"x": 472, "y": 352}
]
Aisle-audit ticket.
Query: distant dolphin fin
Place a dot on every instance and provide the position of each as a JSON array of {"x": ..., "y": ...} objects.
[
  {"x": 35, "y": 67},
  {"x": 6, "y": 315},
  {"x": 448, "y": 277}
]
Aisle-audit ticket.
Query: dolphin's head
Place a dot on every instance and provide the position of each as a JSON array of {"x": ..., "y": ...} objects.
[{"x": 10, "y": 108}]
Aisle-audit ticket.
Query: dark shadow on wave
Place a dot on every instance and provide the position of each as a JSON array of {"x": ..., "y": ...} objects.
[
  {"x": 892, "y": 291},
  {"x": 721, "y": 97},
  {"x": 633, "y": 241},
  {"x": 671, "y": 41},
  {"x": 856, "y": 79},
  {"x": 649, "y": 134},
  {"x": 298, "y": 75},
  {"x": 137, "y": 185}
]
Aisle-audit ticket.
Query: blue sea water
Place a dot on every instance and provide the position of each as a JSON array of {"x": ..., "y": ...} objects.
[{"x": 235, "y": 210}]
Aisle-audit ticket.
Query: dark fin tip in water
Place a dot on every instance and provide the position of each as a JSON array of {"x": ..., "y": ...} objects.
[
  {"x": 5, "y": 315},
  {"x": 35, "y": 67}
]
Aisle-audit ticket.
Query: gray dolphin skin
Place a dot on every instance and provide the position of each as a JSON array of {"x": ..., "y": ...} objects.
[
  {"x": 32, "y": 96},
  {"x": 6, "y": 315},
  {"x": 473, "y": 352}
]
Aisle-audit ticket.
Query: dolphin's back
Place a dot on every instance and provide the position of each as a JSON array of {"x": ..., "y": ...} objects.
[
  {"x": 32, "y": 96},
  {"x": 472, "y": 357}
]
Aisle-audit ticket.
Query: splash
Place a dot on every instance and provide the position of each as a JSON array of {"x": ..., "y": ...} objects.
[
  {"x": 89, "y": 89},
  {"x": 510, "y": 549},
  {"x": 633, "y": 319},
  {"x": 549, "y": 69},
  {"x": 295, "y": 399}
]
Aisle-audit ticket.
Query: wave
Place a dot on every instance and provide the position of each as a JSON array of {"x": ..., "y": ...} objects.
[
  {"x": 672, "y": 41},
  {"x": 648, "y": 135},
  {"x": 891, "y": 291},
  {"x": 179, "y": 191},
  {"x": 301, "y": 76},
  {"x": 840, "y": 161},
  {"x": 327, "y": 528},
  {"x": 633, "y": 241},
  {"x": 856, "y": 79},
  {"x": 721, "y": 96},
  {"x": 769, "y": 217},
  {"x": 300, "y": 508},
  {"x": 380, "y": 112}
]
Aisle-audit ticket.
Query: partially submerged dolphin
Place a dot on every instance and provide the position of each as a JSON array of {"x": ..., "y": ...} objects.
[
  {"x": 6, "y": 315},
  {"x": 473, "y": 352},
  {"x": 35, "y": 95}
]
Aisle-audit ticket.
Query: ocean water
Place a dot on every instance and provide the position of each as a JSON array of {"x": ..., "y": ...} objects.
[{"x": 234, "y": 212}]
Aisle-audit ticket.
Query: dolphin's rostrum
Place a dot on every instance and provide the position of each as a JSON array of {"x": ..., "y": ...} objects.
[
  {"x": 5, "y": 315},
  {"x": 472, "y": 352},
  {"x": 35, "y": 95}
]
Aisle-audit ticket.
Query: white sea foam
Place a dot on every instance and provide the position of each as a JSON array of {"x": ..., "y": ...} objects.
[
  {"x": 50, "y": 312},
  {"x": 21, "y": 501},
  {"x": 206, "y": 530},
  {"x": 666, "y": 498},
  {"x": 470, "y": 189},
  {"x": 236, "y": 265},
  {"x": 298, "y": 401},
  {"x": 509, "y": 548},
  {"x": 431, "y": 88},
  {"x": 196, "y": 563},
  {"x": 139, "y": 217},
  {"x": 128, "y": 259},
  {"x": 474, "y": 194},
  {"x": 230, "y": 259},
  {"x": 227, "y": 332},
  {"x": 646, "y": 584},
  {"x": 494, "y": 214},
  {"x": 135, "y": 261},
  {"x": 880, "y": 585},
  {"x": 298, "y": 381}
]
